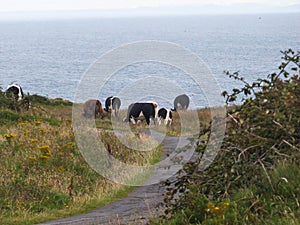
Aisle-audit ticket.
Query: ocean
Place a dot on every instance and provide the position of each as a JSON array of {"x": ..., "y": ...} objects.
[{"x": 50, "y": 58}]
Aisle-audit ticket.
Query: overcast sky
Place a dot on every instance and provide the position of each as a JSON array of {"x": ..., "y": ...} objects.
[
  {"x": 46, "y": 5},
  {"x": 68, "y": 9}
]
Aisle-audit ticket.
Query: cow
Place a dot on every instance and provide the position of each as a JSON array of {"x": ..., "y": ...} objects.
[
  {"x": 148, "y": 109},
  {"x": 93, "y": 108},
  {"x": 112, "y": 105},
  {"x": 165, "y": 115},
  {"x": 181, "y": 102},
  {"x": 15, "y": 90}
]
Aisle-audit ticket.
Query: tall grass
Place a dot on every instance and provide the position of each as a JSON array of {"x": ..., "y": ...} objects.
[{"x": 43, "y": 174}]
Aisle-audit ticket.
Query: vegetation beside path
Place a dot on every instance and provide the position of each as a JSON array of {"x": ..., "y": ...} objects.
[
  {"x": 255, "y": 179},
  {"x": 43, "y": 176}
]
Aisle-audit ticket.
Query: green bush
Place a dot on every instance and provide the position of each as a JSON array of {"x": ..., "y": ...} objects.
[{"x": 258, "y": 166}]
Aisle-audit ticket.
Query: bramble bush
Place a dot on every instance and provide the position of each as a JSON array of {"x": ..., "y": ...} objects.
[{"x": 257, "y": 170}]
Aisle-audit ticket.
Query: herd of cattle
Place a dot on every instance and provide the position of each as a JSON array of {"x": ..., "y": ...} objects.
[{"x": 149, "y": 110}]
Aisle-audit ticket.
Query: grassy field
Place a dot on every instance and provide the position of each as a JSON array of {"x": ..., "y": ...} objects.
[
  {"x": 43, "y": 175},
  {"x": 185, "y": 123}
]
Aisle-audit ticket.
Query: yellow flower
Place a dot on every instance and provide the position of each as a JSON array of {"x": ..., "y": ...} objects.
[
  {"x": 210, "y": 206},
  {"x": 10, "y": 136},
  {"x": 224, "y": 205},
  {"x": 44, "y": 158},
  {"x": 38, "y": 122},
  {"x": 45, "y": 149},
  {"x": 43, "y": 130},
  {"x": 22, "y": 124},
  {"x": 71, "y": 143},
  {"x": 34, "y": 140},
  {"x": 32, "y": 158},
  {"x": 216, "y": 208}
]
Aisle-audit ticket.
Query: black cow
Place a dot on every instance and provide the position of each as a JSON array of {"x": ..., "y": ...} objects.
[
  {"x": 147, "y": 109},
  {"x": 16, "y": 90},
  {"x": 165, "y": 115},
  {"x": 181, "y": 102},
  {"x": 112, "y": 105}
]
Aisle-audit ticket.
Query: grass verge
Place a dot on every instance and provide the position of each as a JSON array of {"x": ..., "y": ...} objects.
[{"x": 43, "y": 176}]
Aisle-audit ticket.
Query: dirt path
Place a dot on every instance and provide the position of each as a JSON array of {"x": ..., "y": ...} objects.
[{"x": 139, "y": 205}]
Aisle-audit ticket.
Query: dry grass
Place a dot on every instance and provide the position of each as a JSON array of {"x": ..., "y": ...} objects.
[
  {"x": 42, "y": 173},
  {"x": 185, "y": 123}
]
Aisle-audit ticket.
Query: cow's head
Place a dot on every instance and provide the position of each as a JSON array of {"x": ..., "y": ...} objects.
[{"x": 98, "y": 109}]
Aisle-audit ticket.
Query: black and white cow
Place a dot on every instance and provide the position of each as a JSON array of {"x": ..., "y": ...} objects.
[
  {"x": 181, "y": 102},
  {"x": 164, "y": 115},
  {"x": 16, "y": 90},
  {"x": 112, "y": 105},
  {"x": 147, "y": 109}
]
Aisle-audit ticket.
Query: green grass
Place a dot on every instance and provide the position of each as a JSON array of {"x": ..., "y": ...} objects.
[
  {"x": 9, "y": 118},
  {"x": 86, "y": 207},
  {"x": 43, "y": 175}
]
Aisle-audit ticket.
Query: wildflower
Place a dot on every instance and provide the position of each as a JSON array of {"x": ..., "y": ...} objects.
[
  {"x": 10, "y": 136},
  {"x": 32, "y": 158},
  {"x": 44, "y": 158},
  {"x": 43, "y": 130},
  {"x": 38, "y": 122},
  {"x": 22, "y": 124},
  {"x": 71, "y": 143},
  {"x": 45, "y": 149},
  {"x": 216, "y": 208},
  {"x": 224, "y": 205},
  {"x": 34, "y": 140},
  {"x": 210, "y": 206}
]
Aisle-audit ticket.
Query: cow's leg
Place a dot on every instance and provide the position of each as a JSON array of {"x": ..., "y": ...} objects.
[
  {"x": 166, "y": 122},
  {"x": 159, "y": 121},
  {"x": 132, "y": 120},
  {"x": 147, "y": 120}
]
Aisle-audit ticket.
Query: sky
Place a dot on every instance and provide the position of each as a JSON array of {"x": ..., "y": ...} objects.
[
  {"x": 40, "y": 8},
  {"x": 46, "y": 5}
]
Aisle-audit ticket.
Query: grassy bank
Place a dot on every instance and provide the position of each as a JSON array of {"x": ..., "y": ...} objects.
[{"x": 43, "y": 175}]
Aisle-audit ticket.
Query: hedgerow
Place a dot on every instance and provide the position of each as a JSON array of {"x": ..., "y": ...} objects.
[{"x": 256, "y": 174}]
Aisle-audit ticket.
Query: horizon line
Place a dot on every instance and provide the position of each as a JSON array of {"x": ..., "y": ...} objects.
[{"x": 208, "y": 9}]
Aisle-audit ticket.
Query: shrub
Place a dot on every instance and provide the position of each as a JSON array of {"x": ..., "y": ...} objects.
[{"x": 257, "y": 166}]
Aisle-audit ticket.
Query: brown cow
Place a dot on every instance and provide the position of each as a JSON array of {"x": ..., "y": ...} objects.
[{"x": 93, "y": 108}]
